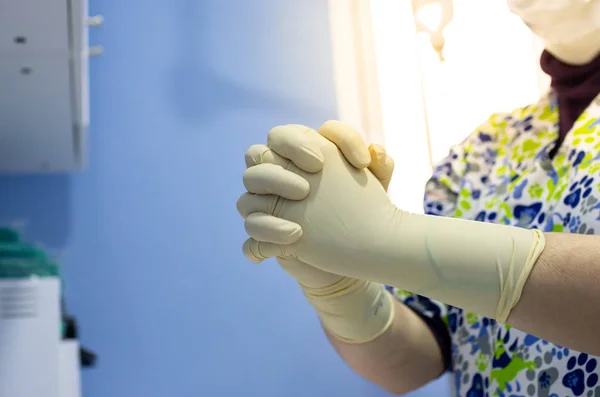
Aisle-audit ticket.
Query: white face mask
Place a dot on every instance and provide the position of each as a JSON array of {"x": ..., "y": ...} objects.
[{"x": 570, "y": 28}]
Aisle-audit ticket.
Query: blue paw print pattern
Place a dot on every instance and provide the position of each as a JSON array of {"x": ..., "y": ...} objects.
[
  {"x": 560, "y": 352},
  {"x": 527, "y": 213},
  {"x": 477, "y": 389},
  {"x": 483, "y": 137},
  {"x": 526, "y": 124},
  {"x": 578, "y": 191},
  {"x": 581, "y": 374},
  {"x": 576, "y": 157},
  {"x": 486, "y": 216},
  {"x": 518, "y": 191}
]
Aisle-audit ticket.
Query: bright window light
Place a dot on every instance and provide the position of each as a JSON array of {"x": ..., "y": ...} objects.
[
  {"x": 491, "y": 65},
  {"x": 430, "y": 15},
  {"x": 403, "y": 115}
]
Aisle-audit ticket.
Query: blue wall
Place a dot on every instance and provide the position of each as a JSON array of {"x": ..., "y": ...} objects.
[{"x": 149, "y": 235}]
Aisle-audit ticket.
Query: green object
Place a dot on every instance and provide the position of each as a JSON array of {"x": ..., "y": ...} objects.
[
  {"x": 22, "y": 260},
  {"x": 8, "y": 235},
  {"x": 18, "y": 268},
  {"x": 20, "y": 251}
]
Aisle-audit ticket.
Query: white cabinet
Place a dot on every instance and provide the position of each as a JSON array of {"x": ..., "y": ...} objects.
[
  {"x": 40, "y": 26},
  {"x": 43, "y": 85}
]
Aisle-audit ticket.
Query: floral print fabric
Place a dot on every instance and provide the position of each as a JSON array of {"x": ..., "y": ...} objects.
[{"x": 502, "y": 173}]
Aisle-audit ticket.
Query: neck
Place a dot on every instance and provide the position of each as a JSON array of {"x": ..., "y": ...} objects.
[{"x": 575, "y": 86}]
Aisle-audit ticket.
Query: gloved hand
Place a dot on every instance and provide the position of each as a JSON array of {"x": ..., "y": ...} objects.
[
  {"x": 340, "y": 220},
  {"x": 352, "y": 310}
]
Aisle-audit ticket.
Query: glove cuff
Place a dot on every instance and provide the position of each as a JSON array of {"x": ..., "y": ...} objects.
[{"x": 353, "y": 310}]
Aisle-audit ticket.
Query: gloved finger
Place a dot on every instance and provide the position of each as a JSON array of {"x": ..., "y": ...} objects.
[
  {"x": 269, "y": 229},
  {"x": 257, "y": 251},
  {"x": 382, "y": 165},
  {"x": 260, "y": 154},
  {"x": 297, "y": 143},
  {"x": 307, "y": 275},
  {"x": 349, "y": 141},
  {"x": 249, "y": 203},
  {"x": 274, "y": 179}
]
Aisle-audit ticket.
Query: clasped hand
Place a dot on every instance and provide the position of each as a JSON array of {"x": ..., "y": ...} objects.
[{"x": 309, "y": 203}]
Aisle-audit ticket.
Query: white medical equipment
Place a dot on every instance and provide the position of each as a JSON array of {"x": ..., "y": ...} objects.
[
  {"x": 30, "y": 337},
  {"x": 44, "y": 85},
  {"x": 39, "y": 350}
]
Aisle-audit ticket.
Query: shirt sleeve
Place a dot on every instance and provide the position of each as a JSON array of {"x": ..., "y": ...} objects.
[{"x": 443, "y": 198}]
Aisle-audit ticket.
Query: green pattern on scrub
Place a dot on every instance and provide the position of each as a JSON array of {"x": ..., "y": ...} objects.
[{"x": 502, "y": 173}]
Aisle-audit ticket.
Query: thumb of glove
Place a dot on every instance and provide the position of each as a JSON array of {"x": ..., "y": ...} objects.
[{"x": 382, "y": 165}]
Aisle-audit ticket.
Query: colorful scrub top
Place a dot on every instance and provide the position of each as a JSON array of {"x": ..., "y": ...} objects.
[{"x": 502, "y": 173}]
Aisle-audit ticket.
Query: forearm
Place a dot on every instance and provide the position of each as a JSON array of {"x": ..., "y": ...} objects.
[
  {"x": 405, "y": 357},
  {"x": 561, "y": 298},
  {"x": 543, "y": 284}
]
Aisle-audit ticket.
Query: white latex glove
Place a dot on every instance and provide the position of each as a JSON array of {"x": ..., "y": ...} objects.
[
  {"x": 341, "y": 221},
  {"x": 352, "y": 310}
]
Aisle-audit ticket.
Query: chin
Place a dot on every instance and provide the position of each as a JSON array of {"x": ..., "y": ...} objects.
[
  {"x": 578, "y": 53},
  {"x": 573, "y": 58}
]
